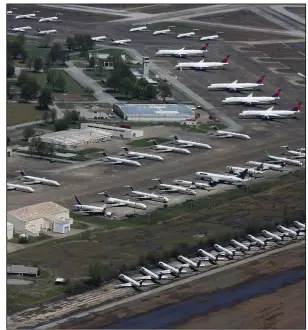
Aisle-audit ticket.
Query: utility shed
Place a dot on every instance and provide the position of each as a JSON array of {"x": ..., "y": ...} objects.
[
  {"x": 22, "y": 270},
  {"x": 61, "y": 227},
  {"x": 154, "y": 112},
  {"x": 9, "y": 230},
  {"x": 37, "y": 218}
]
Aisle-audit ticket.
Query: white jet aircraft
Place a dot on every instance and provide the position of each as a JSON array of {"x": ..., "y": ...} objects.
[
  {"x": 166, "y": 31},
  {"x": 303, "y": 150},
  {"x": 266, "y": 166},
  {"x": 188, "y": 263},
  {"x": 240, "y": 246},
  {"x": 124, "y": 161},
  {"x": 235, "y": 85},
  {"x": 271, "y": 114},
  {"x": 142, "y": 155},
  {"x": 255, "y": 172},
  {"x": 146, "y": 196},
  {"x": 224, "y": 251},
  {"x": 99, "y": 39},
  {"x": 140, "y": 28},
  {"x": 295, "y": 154},
  {"x": 300, "y": 226},
  {"x": 253, "y": 100},
  {"x": 288, "y": 232},
  {"x": 210, "y": 257},
  {"x": 122, "y": 202},
  {"x": 10, "y": 11},
  {"x": 149, "y": 275},
  {"x": 226, "y": 134},
  {"x": 171, "y": 270},
  {"x": 91, "y": 209},
  {"x": 193, "y": 184},
  {"x": 129, "y": 282},
  {"x": 188, "y": 144},
  {"x": 162, "y": 148},
  {"x": 271, "y": 236},
  {"x": 183, "y": 52},
  {"x": 35, "y": 180},
  {"x": 20, "y": 29},
  {"x": 213, "y": 37},
  {"x": 202, "y": 65},
  {"x": 27, "y": 16},
  {"x": 283, "y": 160},
  {"x": 256, "y": 241},
  {"x": 187, "y": 34},
  {"x": 215, "y": 178},
  {"x": 12, "y": 186},
  {"x": 302, "y": 75},
  {"x": 173, "y": 188},
  {"x": 121, "y": 42},
  {"x": 50, "y": 19},
  {"x": 40, "y": 32}
]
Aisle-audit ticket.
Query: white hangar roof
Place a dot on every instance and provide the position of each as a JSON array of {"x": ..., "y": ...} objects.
[{"x": 35, "y": 211}]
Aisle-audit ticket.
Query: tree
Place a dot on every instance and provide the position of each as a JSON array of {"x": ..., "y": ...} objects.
[
  {"x": 113, "y": 80},
  {"x": 23, "y": 77},
  {"x": 8, "y": 91},
  {"x": 51, "y": 77},
  {"x": 29, "y": 63},
  {"x": 164, "y": 90},
  {"x": 126, "y": 86},
  {"x": 24, "y": 55},
  {"x": 70, "y": 43},
  {"x": 45, "y": 116},
  {"x": 28, "y": 132},
  {"x": 91, "y": 61},
  {"x": 95, "y": 273},
  {"x": 46, "y": 63},
  {"x": 55, "y": 52},
  {"x": 38, "y": 146},
  {"x": 75, "y": 116},
  {"x": 61, "y": 125},
  {"x": 60, "y": 82},
  {"x": 38, "y": 64},
  {"x": 49, "y": 150},
  {"x": 88, "y": 91},
  {"x": 53, "y": 115},
  {"x": 29, "y": 89},
  {"x": 150, "y": 92},
  {"x": 8, "y": 140},
  {"x": 10, "y": 69},
  {"x": 45, "y": 98}
]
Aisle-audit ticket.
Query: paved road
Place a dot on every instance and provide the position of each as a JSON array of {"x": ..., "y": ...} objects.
[{"x": 174, "y": 284}]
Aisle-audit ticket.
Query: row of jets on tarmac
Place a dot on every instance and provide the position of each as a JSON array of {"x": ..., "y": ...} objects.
[{"x": 222, "y": 254}]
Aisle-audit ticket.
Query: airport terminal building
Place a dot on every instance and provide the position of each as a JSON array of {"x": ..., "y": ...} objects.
[{"x": 154, "y": 112}]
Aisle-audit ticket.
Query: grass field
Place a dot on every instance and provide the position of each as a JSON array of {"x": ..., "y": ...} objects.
[
  {"x": 145, "y": 141},
  {"x": 19, "y": 113},
  {"x": 98, "y": 76},
  {"x": 266, "y": 204}
]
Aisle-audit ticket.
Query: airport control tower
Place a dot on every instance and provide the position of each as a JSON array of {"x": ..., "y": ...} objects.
[{"x": 146, "y": 61}]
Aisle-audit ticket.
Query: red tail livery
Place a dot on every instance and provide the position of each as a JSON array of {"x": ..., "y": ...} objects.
[
  {"x": 277, "y": 93},
  {"x": 260, "y": 80},
  {"x": 225, "y": 60}
]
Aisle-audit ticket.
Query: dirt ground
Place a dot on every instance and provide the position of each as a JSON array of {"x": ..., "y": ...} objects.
[{"x": 249, "y": 272}]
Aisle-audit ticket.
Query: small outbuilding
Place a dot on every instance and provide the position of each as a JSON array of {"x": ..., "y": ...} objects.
[
  {"x": 61, "y": 227},
  {"x": 9, "y": 230},
  {"x": 22, "y": 270}
]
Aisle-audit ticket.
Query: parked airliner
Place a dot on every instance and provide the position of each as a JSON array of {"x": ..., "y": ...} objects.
[
  {"x": 149, "y": 275},
  {"x": 210, "y": 257},
  {"x": 27, "y": 16},
  {"x": 166, "y": 31},
  {"x": 168, "y": 269},
  {"x": 226, "y": 134},
  {"x": 20, "y": 29},
  {"x": 187, "y": 34},
  {"x": 91, "y": 209},
  {"x": 222, "y": 178},
  {"x": 147, "y": 196},
  {"x": 188, "y": 263},
  {"x": 12, "y": 186},
  {"x": 40, "y": 32},
  {"x": 266, "y": 166},
  {"x": 10, "y": 11},
  {"x": 271, "y": 236},
  {"x": 173, "y": 188},
  {"x": 129, "y": 282},
  {"x": 287, "y": 231},
  {"x": 124, "y": 161},
  {"x": 35, "y": 180},
  {"x": 271, "y": 114},
  {"x": 183, "y": 52},
  {"x": 49, "y": 19},
  {"x": 283, "y": 160},
  {"x": 240, "y": 246},
  {"x": 256, "y": 172},
  {"x": 253, "y": 100},
  {"x": 300, "y": 226},
  {"x": 188, "y": 144},
  {"x": 224, "y": 251},
  {"x": 139, "y": 28},
  {"x": 122, "y": 202},
  {"x": 162, "y": 148},
  {"x": 193, "y": 184},
  {"x": 99, "y": 39},
  {"x": 213, "y": 37},
  {"x": 202, "y": 65},
  {"x": 142, "y": 155},
  {"x": 121, "y": 41},
  {"x": 256, "y": 241},
  {"x": 295, "y": 154},
  {"x": 235, "y": 85}
]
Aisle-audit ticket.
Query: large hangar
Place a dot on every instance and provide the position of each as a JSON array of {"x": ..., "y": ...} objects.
[{"x": 154, "y": 112}]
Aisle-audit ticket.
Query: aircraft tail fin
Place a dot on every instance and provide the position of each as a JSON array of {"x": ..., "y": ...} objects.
[
  {"x": 77, "y": 200},
  {"x": 277, "y": 93},
  {"x": 266, "y": 154},
  {"x": 297, "y": 106},
  {"x": 22, "y": 172},
  {"x": 215, "y": 128},
  {"x": 270, "y": 109},
  {"x": 175, "y": 137},
  {"x": 243, "y": 174},
  {"x": 104, "y": 153},
  {"x": 260, "y": 80},
  {"x": 125, "y": 148},
  {"x": 225, "y": 60},
  {"x": 205, "y": 47},
  {"x": 199, "y": 263},
  {"x": 38, "y": 30},
  {"x": 11, "y": 26},
  {"x": 154, "y": 142}
]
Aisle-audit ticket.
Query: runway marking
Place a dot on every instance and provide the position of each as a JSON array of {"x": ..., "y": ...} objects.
[
  {"x": 287, "y": 46},
  {"x": 302, "y": 54}
]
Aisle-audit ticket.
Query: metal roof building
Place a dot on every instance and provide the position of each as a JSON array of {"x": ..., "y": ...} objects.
[
  {"x": 154, "y": 112},
  {"x": 22, "y": 270}
]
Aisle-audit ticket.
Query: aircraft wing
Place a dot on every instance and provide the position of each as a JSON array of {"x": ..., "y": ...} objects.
[
  {"x": 171, "y": 190},
  {"x": 186, "y": 145},
  {"x": 163, "y": 150},
  {"x": 143, "y": 198},
  {"x": 136, "y": 157},
  {"x": 185, "y": 266},
  {"x": 31, "y": 182},
  {"x": 220, "y": 258},
  {"x": 10, "y": 188},
  {"x": 118, "y": 204},
  {"x": 116, "y": 163},
  {"x": 147, "y": 277},
  {"x": 94, "y": 211},
  {"x": 124, "y": 285}
]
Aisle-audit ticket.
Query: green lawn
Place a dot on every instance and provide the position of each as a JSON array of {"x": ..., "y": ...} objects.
[
  {"x": 19, "y": 113},
  {"x": 97, "y": 76},
  {"x": 144, "y": 142},
  {"x": 203, "y": 128}
]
